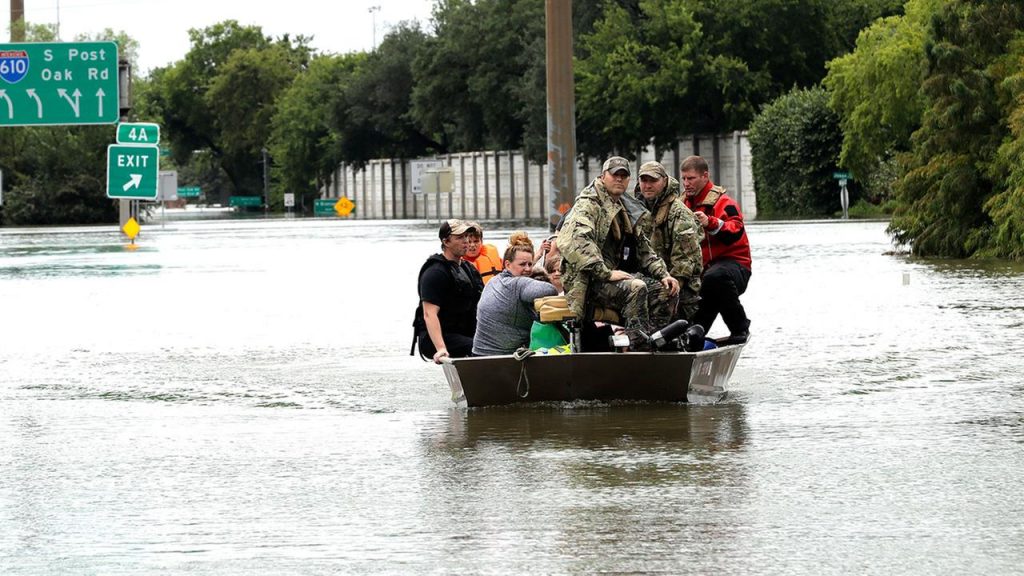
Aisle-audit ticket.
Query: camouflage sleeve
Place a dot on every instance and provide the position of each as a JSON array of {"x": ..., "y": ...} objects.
[
  {"x": 686, "y": 237},
  {"x": 650, "y": 262},
  {"x": 578, "y": 241}
]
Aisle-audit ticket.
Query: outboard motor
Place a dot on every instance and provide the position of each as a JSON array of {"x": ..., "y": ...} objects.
[
  {"x": 693, "y": 338},
  {"x": 669, "y": 334}
]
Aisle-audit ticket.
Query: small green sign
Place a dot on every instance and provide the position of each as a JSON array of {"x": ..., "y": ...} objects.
[
  {"x": 841, "y": 175},
  {"x": 189, "y": 192},
  {"x": 138, "y": 133},
  {"x": 58, "y": 83},
  {"x": 133, "y": 171},
  {"x": 245, "y": 201},
  {"x": 324, "y": 206}
]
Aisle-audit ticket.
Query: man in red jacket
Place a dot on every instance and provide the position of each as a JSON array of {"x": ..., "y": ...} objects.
[{"x": 725, "y": 250}]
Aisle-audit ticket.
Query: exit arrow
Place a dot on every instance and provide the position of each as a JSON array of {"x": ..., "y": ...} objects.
[{"x": 136, "y": 179}]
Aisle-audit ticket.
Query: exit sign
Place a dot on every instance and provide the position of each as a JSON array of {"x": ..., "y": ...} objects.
[{"x": 133, "y": 172}]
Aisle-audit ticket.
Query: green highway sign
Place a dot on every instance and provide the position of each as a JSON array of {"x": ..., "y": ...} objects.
[
  {"x": 132, "y": 171},
  {"x": 58, "y": 83},
  {"x": 324, "y": 206},
  {"x": 245, "y": 201},
  {"x": 138, "y": 133},
  {"x": 189, "y": 192},
  {"x": 841, "y": 175}
]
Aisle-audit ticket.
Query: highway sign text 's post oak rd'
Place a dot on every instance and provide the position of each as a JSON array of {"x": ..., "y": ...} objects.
[{"x": 58, "y": 83}]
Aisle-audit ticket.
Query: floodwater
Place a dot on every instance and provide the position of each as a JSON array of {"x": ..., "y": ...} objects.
[{"x": 236, "y": 397}]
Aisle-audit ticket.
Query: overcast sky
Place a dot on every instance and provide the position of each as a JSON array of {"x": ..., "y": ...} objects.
[{"x": 161, "y": 26}]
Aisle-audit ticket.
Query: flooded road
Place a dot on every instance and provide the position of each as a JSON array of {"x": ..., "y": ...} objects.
[{"x": 237, "y": 396}]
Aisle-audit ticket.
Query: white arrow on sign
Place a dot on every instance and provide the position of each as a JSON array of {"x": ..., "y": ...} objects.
[
  {"x": 39, "y": 103},
  {"x": 10, "y": 105},
  {"x": 74, "y": 103},
  {"x": 99, "y": 96},
  {"x": 136, "y": 179}
]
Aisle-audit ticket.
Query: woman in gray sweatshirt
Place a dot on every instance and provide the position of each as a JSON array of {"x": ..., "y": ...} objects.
[{"x": 505, "y": 313}]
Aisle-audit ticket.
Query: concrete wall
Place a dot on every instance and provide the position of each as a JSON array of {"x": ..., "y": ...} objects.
[{"x": 503, "y": 185}]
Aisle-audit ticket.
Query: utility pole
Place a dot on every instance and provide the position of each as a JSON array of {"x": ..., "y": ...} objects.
[
  {"x": 266, "y": 183},
  {"x": 17, "y": 20},
  {"x": 373, "y": 13},
  {"x": 561, "y": 109}
]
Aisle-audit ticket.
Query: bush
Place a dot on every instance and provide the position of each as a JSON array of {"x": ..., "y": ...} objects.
[{"x": 795, "y": 143}]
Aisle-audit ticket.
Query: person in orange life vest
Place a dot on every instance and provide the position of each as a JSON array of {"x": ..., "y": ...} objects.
[
  {"x": 484, "y": 257},
  {"x": 725, "y": 250}
]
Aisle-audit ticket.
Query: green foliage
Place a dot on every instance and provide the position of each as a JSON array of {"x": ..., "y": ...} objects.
[
  {"x": 875, "y": 90},
  {"x": 372, "y": 115},
  {"x": 1005, "y": 237},
  {"x": 56, "y": 175},
  {"x": 632, "y": 77},
  {"x": 305, "y": 149},
  {"x": 494, "y": 91},
  {"x": 221, "y": 98},
  {"x": 795, "y": 143},
  {"x": 958, "y": 193}
]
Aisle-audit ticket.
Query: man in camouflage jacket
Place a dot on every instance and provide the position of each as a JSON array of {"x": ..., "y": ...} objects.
[
  {"x": 674, "y": 233},
  {"x": 608, "y": 258}
]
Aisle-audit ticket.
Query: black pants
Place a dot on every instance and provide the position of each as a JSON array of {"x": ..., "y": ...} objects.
[
  {"x": 720, "y": 290},
  {"x": 459, "y": 345}
]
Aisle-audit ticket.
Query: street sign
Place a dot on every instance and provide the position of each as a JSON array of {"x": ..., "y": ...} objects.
[
  {"x": 132, "y": 171},
  {"x": 131, "y": 228},
  {"x": 168, "y": 188},
  {"x": 841, "y": 175},
  {"x": 324, "y": 206},
  {"x": 58, "y": 83},
  {"x": 419, "y": 172},
  {"x": 138, "y": 133},
  {"x": 189, "y": 192},
  {"x": 245, "y": 201},
  {"x": 344, "y": 206},
  {"x": 289, "y": 200}
]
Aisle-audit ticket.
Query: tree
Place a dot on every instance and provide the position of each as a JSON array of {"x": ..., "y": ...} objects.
[
  {"x": 952, "y": 175},
  {"x": 305, "y": 149},
  {"x": 372, "y": 116},
  {"x": 632, "y": 78},
  {"x": 795, "y": 143},
  {"x": 875, "y": 89},
  {"x": 221, "y": 96},
  {"x": 470, "y": 94}
]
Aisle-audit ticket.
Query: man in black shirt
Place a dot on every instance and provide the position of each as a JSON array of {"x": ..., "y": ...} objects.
[{"x": 449, "y": 289}]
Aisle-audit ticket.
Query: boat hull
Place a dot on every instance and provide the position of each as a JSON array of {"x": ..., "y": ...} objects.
[{"x": 660, "y": 377}]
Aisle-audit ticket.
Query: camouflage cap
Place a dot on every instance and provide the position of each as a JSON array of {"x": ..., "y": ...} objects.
[
  {"x": 615, "y": 164},
  {"x": 455, "y": 227},
  {"x": 654, "y": 170}
]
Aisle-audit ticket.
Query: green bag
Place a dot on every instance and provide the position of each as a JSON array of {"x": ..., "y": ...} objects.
[{"x": 545, "y": 336}]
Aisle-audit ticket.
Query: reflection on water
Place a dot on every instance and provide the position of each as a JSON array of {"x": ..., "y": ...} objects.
[{"x": 236, "y": 396}]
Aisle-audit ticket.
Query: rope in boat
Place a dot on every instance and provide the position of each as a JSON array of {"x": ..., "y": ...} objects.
[{"x": 521, "y": 355}]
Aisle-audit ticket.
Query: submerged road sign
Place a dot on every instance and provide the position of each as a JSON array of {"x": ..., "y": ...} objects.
[
  {"x": 132, "y": 171},
  {"x": 58, "y": 83}
]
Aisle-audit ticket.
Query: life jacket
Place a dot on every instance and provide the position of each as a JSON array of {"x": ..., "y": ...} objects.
[
  {"x": 488, "y": 263},
  {"x": 460, "y": 317}
]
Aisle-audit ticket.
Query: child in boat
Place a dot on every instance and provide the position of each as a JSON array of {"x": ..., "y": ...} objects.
[{"x": 483, "y": 256}]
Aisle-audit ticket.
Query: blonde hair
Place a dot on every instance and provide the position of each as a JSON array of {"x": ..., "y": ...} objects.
[{"x": 518, "y": 242}]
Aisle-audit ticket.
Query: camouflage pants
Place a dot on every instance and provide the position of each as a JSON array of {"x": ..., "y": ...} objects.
[
  {"x": 643, "y": 303},
  {"x": 687, "y": 306}
]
